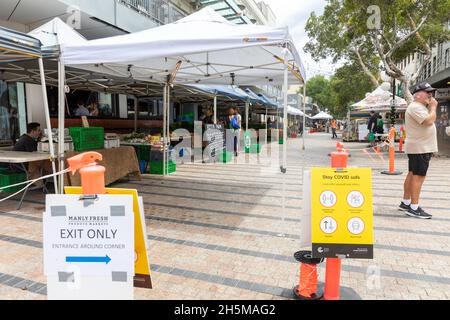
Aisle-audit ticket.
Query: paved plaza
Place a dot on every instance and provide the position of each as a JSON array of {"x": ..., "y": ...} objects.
[{"x": 226, "y": 232}]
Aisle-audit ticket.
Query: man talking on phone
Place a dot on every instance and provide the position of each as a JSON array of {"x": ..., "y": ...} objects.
[{"x": 421, "y": 143}]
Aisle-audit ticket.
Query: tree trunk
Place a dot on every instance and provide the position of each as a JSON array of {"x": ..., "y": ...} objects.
[
  {"x": 406, "y": 92},
  {"x": 366, "y": 70}
]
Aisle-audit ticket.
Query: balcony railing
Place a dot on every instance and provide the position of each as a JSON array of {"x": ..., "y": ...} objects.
[
  {"x": 160, "y": 11},
  {"x": 442, "y": 63}
]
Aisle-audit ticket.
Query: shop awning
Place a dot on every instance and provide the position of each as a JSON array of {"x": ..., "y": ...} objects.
[{"x": 16, "y": 46}]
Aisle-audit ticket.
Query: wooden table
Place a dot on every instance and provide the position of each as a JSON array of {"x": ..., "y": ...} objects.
[
  {"x": 119, "y": 163},
  {"x": 20, "y": 158}
]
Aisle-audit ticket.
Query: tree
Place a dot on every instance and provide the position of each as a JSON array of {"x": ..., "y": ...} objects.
[
  {"x": 319, "y": 89},
  {"x": 347, "y": 86},
  {"x": 350, "y": 86},
  {"x": 371, "y": 31}
]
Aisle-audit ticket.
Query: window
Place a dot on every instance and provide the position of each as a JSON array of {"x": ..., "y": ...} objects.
[
  {"x": 434, "y": 65},
  {"x": 9, "y": 113},
  {"x": 447, "y": 58}
]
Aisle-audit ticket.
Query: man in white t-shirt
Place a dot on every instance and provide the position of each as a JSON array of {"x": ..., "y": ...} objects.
[{"x": 421, "y": 143}]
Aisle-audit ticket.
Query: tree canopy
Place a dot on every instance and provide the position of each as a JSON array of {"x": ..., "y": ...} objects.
[{"x": 367, "y": 32}]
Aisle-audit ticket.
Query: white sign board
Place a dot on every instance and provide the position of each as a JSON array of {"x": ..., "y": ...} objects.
[
  {"x": 89, "y": 241},
  {"x": 95, "y": 235}
]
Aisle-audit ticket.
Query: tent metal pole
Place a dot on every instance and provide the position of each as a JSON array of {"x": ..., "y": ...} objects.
[
  {"x": 285, "y": 122},
  {"x": 136, "y": 107},
  {"x": 61, "y": 118},
  {"x": 168, "y": 127},
  {"x": 266, "y": 127},
  {"x": 247, "y": 107},
  {"x": 304, "y": 114},
  {"x": 164, "y": 127},
  {"x": 49, "y": 125},
  {"x": 215, "y": 109}
]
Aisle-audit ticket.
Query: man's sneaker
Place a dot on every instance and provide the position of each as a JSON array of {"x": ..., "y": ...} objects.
[
  {"x": 419, "y": 213},
  {"x": 403, "y": 207}
]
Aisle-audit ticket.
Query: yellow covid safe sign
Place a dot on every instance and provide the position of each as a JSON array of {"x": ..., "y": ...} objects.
[
  {"x": 142, "y": 277},
  {"x": 342, "y": 213}
]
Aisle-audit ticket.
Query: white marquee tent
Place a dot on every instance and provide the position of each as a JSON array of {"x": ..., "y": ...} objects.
[
  {"x": 322, "y": 116},
  {"x": 380, "y": 100},
  {"x": 201, "y": 48}
]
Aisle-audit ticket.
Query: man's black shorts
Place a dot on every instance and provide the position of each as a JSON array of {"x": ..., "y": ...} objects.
[{"x": 419, "y": 163}]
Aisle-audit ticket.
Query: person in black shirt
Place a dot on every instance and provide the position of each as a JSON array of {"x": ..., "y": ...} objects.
[
  {"x": 28, "y": 143},
  {"x": 372, "y": 126}
]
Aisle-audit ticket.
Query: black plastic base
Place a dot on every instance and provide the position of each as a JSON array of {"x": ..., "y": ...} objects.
[
  {"x": 345, "y": 293},
  {"x": 395, "y": 173},
  {"x": 315, "y": 296}
]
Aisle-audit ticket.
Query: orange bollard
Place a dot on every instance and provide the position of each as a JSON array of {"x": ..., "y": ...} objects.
[
  {"x": 392, "y": 171},
  {"x": 92, "y": 175},
  {"x": 333, "y": 265},
  {"x": 339, "y": 158},
  {"x": 332, "y": 279}
]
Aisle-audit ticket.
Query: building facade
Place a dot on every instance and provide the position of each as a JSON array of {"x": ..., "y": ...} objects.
[
  {"x": 20, "y": 102},
  {"x": 436, "y": 73}
]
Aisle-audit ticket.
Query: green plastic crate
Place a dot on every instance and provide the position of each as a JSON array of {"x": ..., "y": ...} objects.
[
  {"x": 225, "y": 157},
  {"x": 9, "y": 178},
  {"x": 89, "y": 138},
  {"x": 143, "y": 152},
  {"x": 157, "y": 167}
]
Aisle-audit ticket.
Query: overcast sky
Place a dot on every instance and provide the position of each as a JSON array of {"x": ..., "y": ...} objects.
[{"x": 295, "y": 14}]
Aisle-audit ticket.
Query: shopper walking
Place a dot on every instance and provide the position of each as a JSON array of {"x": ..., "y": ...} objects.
[
  {"x": 334, "y": 128},
  {"x": 421, "y": 143},
  {"x": 372, "y": 127}
]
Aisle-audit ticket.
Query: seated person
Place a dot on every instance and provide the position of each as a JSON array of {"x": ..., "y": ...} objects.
[
  {"x": 81, "y": 109},
  {"x": 93, "y": 109},
  {"x": 28, "y": 143}
]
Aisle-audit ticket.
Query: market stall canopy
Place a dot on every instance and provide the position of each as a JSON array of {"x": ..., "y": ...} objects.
[
  {"x": 322, "y": 116},
  {"x": 380, "y": 100},
  {"x": 267, "y": 101},
  {"x": 261, "y": 99},
  {"x": 16, "y": 46},
  {"x": 296, "y": 112},
  {"x": 222, "y": 90},
  {"x": 201, "y": 48},
  {"x": 255, "y": 98},
  {"x": 55, "y": 33}
]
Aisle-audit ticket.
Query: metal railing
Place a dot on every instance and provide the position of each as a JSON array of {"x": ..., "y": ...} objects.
[{"x": 161, "y": 11}]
